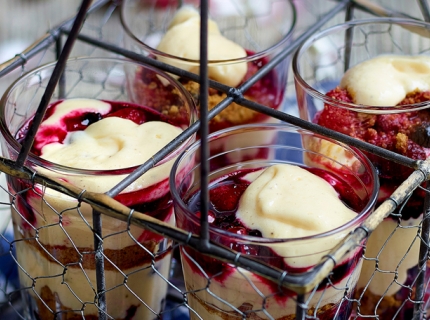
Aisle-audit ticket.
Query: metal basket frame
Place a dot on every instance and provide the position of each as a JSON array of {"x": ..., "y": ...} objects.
[{"x": 102, "y": 203}]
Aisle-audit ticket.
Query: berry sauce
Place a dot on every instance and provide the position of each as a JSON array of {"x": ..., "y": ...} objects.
[
  {"x": 154, "y": 200},
  {"x": 79, "y": 121},
  {"x": 405, "y": 133},
  {"x": 224, "y": 199},
  {"x": 265, "y": 91}
]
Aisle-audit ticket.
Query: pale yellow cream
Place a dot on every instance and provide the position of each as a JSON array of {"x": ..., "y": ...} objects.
[
  {"x": 385, "y": 80},
  {"x": 111, "y": 143},
  {"x": 182, "y": 39},
  {"x": 286, "y": 201}
]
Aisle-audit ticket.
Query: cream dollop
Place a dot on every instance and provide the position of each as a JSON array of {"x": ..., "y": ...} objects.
[
  {"x": 385, "y": 80},
  {"x": 182, "y": 39},
  {"x": 111, "y": 143},
  {"x": 286, "y": 201}
]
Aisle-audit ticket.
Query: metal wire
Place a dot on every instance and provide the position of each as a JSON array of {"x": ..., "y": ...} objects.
[
  {"x": 300, "y": 283},
  {"x": 204, "y": 126}
]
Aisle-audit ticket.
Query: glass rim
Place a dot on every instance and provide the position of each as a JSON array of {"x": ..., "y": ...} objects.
[
  {"x": 38, "y": 161},
  {"x": 363, "y": 214},
  {"x": 252, "y": 57},
  {"x": 352, "y": 106}
]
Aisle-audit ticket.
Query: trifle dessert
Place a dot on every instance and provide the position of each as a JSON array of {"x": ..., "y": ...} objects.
[
  {"x": 262, "y": 208},
  {"x": 382, "y": 99},
  {"x": 242, "y": 38},
  {"x": 93, "y": 144}
]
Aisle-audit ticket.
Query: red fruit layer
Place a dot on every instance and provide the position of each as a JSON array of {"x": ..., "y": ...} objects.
[
  {"x": 79, "y": 120},
  {"x": 404, "y": 133},
  {"x": 265, "y": 90},
  {"x": 166, "y": 4},
  {"x": 395, "y": 132},
  {"x": 224, "y": 199}
]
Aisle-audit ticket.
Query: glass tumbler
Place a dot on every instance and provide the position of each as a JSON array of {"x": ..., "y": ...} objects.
[
  {"x": 366, "y": 79},
  {"x": 221, "y": 290},
  {"x": 244, "y": 36},
  {"x": 93, "y": 112}
]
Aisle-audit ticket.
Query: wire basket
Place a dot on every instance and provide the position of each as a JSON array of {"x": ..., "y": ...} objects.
[{"x": 102, "y": 37}]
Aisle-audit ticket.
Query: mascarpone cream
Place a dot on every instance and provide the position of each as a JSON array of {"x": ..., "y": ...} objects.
[
  {"x": 385, "y": 80},
  {"x": 182, "y": 39}
]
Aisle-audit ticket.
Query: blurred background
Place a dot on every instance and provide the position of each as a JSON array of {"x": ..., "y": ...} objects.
[{"x": 23, "y": 21}]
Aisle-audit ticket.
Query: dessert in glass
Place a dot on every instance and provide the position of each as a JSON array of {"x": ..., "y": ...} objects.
[
  {"x": 92, "y": 136},
  {"x": 243, "y": 36},
  {"x": 261, "y": 207},
  {"x": 372, "y": 83}
]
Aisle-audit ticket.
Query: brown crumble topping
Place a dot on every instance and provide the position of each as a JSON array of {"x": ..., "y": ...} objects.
[
  {"x": 234, "y": 113},
  {"x": 126, "y": 258},
  {"x": 368, "y": 119},
  {"x": 252, "y": 315},
  {"x": 371, "y": 304},
  {"x": 154, "y": 94},
  {"x": 401, "y": 142},
  {"x": 416, "y": 96},
  {"x": 152, "y": 85},
  {"x": 50, "y": 299}
]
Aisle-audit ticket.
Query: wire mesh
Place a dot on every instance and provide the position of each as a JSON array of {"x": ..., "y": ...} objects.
[{"x": 130, "y": 279}]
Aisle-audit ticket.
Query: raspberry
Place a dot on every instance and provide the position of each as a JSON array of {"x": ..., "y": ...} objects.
[
  {"x": 133, "y": 114},
  {"x": 400, "y": 133},
  {"x": 237, "y": 230},
  {"x": 211, "y": 216},
  {"x": 343, "y": 120},
  {"x": 226, "y": 197}
]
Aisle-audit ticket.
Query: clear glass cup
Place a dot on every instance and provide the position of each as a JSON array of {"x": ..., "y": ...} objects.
[
  {"x": 262, "y": 29},
  {"x": 319, "y": 65},
  {"x": 219, "y": 290},
  {"x": 54, "y": 240}
]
